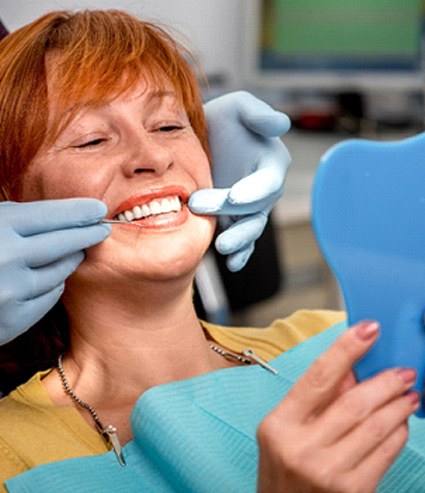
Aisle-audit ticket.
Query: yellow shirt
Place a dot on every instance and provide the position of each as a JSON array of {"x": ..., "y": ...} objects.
[{"x": 33, "y": 431}]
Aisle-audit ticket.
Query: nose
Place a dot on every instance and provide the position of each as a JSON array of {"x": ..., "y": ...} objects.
[{"x": 146, "y": 155}]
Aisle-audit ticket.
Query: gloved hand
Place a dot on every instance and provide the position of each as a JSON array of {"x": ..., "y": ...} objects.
[
  {"x": 249, "y": 165},
  {"x": 41, "y": 245}
]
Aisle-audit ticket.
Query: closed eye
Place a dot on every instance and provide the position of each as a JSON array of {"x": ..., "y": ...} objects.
[
  {"x": 170, "y": 128},
  {"x": 90, "y": 143}
]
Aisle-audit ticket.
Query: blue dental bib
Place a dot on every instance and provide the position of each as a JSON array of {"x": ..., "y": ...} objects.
[{"x": 198, "y": 436}]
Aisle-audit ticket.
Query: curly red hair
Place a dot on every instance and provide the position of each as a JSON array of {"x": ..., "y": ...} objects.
[{"x": 98, "y": 55}]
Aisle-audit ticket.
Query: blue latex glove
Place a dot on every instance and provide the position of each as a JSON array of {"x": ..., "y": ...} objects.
[
  {"x": 41, "y": 245},
  {"x": 249, "y": 167}
]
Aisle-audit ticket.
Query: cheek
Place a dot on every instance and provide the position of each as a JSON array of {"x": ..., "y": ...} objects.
[
  {"x": 53, "y": 179},
  {"x": 31, "y": 190},
  {"x": 199, "y": 168},
  {"x": 34, "y": 184}
]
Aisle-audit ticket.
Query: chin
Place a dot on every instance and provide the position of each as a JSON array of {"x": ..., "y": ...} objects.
[
  {"x": 153, "y": 256},
  {"x": 173, "y": 256}
]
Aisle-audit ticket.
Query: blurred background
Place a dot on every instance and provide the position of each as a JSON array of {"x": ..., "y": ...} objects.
[{"x": 340, "y": 69}]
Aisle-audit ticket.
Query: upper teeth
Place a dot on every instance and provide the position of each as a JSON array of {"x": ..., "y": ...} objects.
[{"x": 157, "y": 206}]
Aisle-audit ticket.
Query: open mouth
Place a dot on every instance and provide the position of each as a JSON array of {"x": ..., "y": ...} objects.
[{"x": 156, "y": 207}]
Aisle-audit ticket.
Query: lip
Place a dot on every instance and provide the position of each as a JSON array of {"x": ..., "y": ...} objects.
[
  {"x": 152, "y": 194},
  {"x": 160, "y": 223}
]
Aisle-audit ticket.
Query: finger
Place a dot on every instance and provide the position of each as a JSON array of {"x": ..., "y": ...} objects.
[
  {"x": 375, "y": 430},
  {"x": 32, "y": 218},
  {"x": 214, "y": 201},
  {"x": 261, "y": 118},
  {"x": 349, "y": 382},
  {"x": 264, "y": 183},
  {"x": 355, "y": 405},
  {"x": 27, "y": 313},
  {"x": 320, "y": 384},
  {"x": 35, "y": 309},
  {"x": 48, "y": 278},
  {"x": 209, "y": 201},
  {"x": 369, "y": 472},
  {"x": 237, "y": 261},
  {"x": 46, "y": 248},
  {"x": 241, "y": 234}
]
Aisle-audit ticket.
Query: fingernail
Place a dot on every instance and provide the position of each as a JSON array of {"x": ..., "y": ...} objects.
[
  {"x": 408, "y": 375},
  {"x": 413, "y": 398},
  {"x": 366, "y": 330}
]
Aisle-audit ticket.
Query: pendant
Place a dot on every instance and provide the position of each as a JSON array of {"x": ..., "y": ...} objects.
[
  {"x": 110, "y": 433},
  {"x": 250, "y": 354}
]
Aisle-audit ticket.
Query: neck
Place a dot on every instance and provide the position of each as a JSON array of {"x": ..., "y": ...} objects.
[
  {"x": 122, "y": 345},
  {"x": 126, "y": 339}
]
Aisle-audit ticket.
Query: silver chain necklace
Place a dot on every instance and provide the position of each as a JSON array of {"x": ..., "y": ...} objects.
[
  {"x": 108, "y": 433},
  {"x": 248, "y": 358},
  {"x": 230, "y": 356}
]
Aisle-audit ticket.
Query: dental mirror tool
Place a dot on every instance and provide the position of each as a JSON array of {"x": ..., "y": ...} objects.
[{"x": 116, "y": 221}]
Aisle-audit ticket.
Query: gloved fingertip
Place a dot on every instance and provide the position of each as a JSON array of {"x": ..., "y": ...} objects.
[
  {"x": 285, "y": 121},
  {"x": 105, "y": 231},
  {"x": 107, "y": 228},
  {"x": 200, "y": 209},
  {"x": 103, "y": 209},
  {"x": 58, "y": 292},
  {"x": 93, "y": 207},
  {"x": 241, "y": 195},
  {"x": 238, "y": 260},
  {"x": 208, "y": 201},
  {"x": 198, "y": 203},
  {"x": 269, "y": 124},
  {"x": 234, "y": 266},
  {"x": 77, "y": 257},
  {"x": 98, "y": 233},
  {"x": 235, "y": 239},
  {"x": 226, "y": 244},
  {"x": 276, "y": 122}
]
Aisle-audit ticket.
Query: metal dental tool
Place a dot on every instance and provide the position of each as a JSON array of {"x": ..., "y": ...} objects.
[{"x": 116, "y": 221}]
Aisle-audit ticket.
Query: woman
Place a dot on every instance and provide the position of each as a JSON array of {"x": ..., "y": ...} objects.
[{"x": 109, "y": 108}]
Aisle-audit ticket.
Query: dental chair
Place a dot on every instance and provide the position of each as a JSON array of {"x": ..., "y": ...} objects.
[
  {"x": 369, "y": 220},
  {"x": 220, "y": 293}
]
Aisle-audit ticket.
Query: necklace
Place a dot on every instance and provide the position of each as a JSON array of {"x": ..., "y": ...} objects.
[
  {"x": 108, "y": 433},
  {"x": 230, "y": 356},
  {"x": 248, "y": 358}
]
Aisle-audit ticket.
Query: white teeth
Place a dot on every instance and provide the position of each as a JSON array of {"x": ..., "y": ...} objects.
[
  {"x": 145, "y": 211},
  {"x": 157, "y": 206},
  {"x": 166, "y": 205},
  {"x": 128, "y": 215},
  {"x": 137, "y": 212}
]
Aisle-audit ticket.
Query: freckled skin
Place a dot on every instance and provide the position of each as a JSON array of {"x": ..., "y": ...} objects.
[{"x": 136, "y": 144}]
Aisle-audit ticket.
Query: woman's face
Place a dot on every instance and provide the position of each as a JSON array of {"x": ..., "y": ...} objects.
[{"x": 140, "y": 156}]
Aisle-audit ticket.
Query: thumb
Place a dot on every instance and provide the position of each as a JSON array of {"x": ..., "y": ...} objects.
[{"x": 261, "y": 118}]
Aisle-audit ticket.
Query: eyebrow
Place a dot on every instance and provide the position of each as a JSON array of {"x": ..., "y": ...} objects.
[
  {"x": 160, "y": 94},
  {"x": 154, "y": 95}
]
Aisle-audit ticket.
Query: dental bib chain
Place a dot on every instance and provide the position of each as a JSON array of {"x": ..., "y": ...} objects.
[
  {"x": 108, "y": 433},
  {"x": 230, "y": 356},
  {"x": 248, "y": 358}
]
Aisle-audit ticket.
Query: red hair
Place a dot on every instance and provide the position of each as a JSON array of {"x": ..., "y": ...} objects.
[{"x": 98, "y": 55}]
